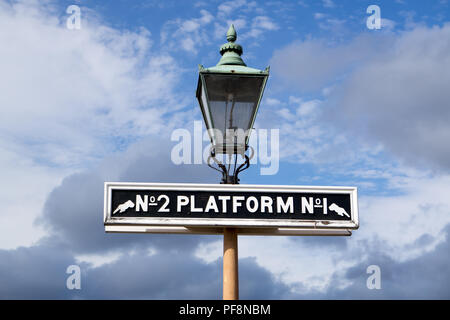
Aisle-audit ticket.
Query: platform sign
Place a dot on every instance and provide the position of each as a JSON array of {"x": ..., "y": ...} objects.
[{"x": 207, "y": 208}]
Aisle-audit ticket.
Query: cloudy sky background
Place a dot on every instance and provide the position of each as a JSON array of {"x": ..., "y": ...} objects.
[{"x": 359, "y": 107}]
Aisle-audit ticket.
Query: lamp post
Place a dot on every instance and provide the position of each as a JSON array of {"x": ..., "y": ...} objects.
[{"x": 229, "y": 95}]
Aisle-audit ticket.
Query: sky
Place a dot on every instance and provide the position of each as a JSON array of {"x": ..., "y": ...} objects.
[{"x": 354, "y": 106}]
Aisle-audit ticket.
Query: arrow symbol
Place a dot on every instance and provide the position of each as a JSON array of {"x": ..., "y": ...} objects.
[
  {"x": 340, "y": 211},
  {"x": 124, "y": 206}
]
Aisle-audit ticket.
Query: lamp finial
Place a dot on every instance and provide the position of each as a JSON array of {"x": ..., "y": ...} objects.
[{"x": 231, "y": 51}]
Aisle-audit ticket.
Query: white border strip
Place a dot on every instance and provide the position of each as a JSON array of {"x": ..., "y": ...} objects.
[{"x": 241, "y": 231}]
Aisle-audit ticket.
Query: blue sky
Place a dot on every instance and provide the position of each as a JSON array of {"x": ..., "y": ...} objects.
[{"x": 354, "y": 106}]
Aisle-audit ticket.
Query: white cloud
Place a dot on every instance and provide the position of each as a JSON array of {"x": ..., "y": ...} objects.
[
  {"x": 23, "y": 190},
  {"x": 260, "y": 24},
  {"x": 299, "y": 130},
  {"x": 220, "y": 28},
  {"x": 98, "y": 260},
  {"x": 315, "y": 63},
  {"x": 68, "y": 98},
  {"x": 423, "y": 209},
  {"x": 66, "y": 90},
  {"x": 328, "y": 3},
  {"x": 319, "y": 15},
  {"x": 190, "y": 32},
  {"x": 230, "y": 8},
  {"x": 387, "y": 24},
  {"x": 333, "y": 24},
  {"x": 272, "y": 102},
  {"x": 307, "y": 108},
  {"x": 264, "y": 22}
]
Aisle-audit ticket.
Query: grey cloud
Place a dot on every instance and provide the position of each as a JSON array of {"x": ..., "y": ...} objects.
[
  {"x": 422, "y": 241},
  {"x": 179, "y": 276},
  {"x": 314, "y": 63},
  {"x": 423, "y": 277},
  {"x": 323, "y": 242},
  {"x": 401, "y": 98},
  {"x": 164, "y": 275},
  {"x": 73, "y": 211},
  {"x": 389, "y": 89},
  {"x": 39, "y": 272},
  {"x": 256, "y": 282}
]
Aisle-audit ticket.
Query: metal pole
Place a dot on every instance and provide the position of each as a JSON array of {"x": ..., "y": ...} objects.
[{"x": 230, "y": 264}]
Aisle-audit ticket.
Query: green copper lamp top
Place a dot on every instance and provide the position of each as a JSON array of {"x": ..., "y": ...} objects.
[
  {"x": 231, "y": 61},
  {"x": 231, "y": 51}
]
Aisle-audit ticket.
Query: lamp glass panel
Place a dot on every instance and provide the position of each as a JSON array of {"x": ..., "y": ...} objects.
[{"x": 232, "y": 101}]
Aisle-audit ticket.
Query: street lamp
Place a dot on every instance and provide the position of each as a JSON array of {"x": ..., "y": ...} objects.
[{"x": 229, "y": 95}]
